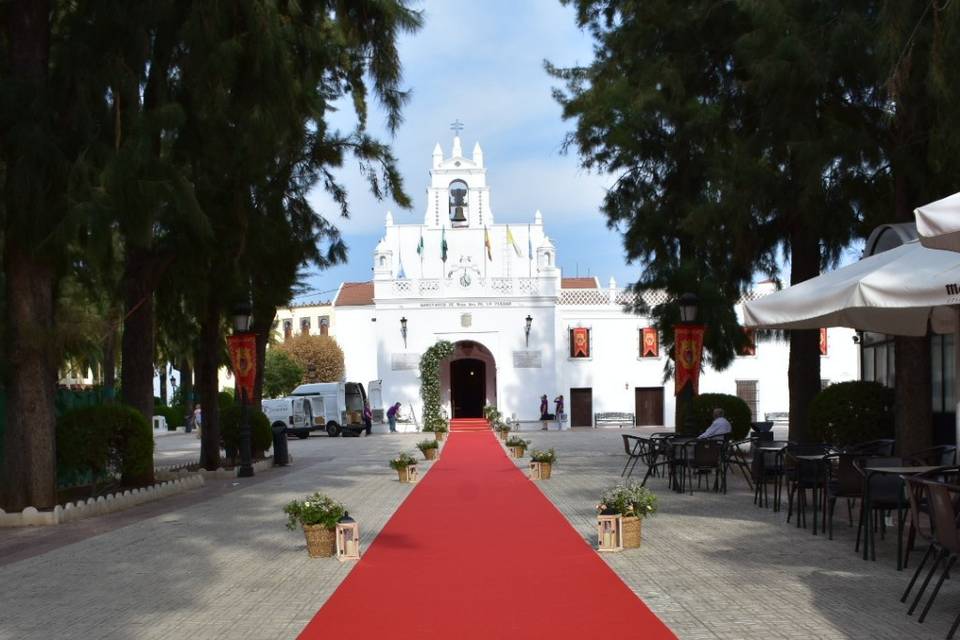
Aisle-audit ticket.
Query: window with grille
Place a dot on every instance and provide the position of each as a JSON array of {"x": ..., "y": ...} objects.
[{"x": 747, "y": 391}]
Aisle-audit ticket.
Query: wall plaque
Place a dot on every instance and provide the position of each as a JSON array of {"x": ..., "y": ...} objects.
[
  {"x": 404, "y": 361},
  {"x": 527, "y": 359}
]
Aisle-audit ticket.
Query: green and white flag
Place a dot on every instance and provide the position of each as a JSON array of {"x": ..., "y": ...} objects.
[
  {"x": 420, "y": 244},
  {"x": 443, "y": 244}
]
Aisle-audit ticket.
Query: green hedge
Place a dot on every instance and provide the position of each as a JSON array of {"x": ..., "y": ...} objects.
[
  {"x": 734, "y": 409},
  {"x": 176, "y": 416},
  {"x": 261, "y": 435},
  {"x": 851, "y": 412},
  {"x": 106, "y": 439}
]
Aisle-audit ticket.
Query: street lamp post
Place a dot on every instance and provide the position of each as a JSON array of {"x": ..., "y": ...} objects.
[
  {"x": 242, "y": 321},
  {"x": 528, "y": 323},
  {"x": 686, "y": 354},
  {"x": 403, "y": 330}
]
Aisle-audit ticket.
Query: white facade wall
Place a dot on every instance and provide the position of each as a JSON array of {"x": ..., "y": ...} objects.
[{"x": 482, "y": 297}]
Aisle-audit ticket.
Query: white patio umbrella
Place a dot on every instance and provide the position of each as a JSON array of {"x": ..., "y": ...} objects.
[
  {"x": 938, "y": 223},
  {"x": 897, "y": 292}
]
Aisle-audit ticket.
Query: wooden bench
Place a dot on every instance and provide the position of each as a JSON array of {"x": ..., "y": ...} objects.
[{"x": 613, "y": 419}]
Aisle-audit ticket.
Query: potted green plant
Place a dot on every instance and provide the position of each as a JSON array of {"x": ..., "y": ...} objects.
[
  {"x": 428, "y": 448},
  {"x": 492, "y": 414},
  {"x": 633, "y": 502},
  {"x": 517, "y": 446},
  {"x": 541, "y": 463},
  {"x": 503, "y": 429},
  {"x": 406, "y": 467},
  {"x": 318, "y": 516}
]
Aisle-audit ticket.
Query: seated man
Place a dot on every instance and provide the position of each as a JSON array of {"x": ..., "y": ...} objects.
[{"x": 720, "y": 425}]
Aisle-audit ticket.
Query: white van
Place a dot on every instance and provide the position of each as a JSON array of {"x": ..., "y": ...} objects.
[
  {"x": 299, "y": 415},
  {"x": 344, "y": 405}
]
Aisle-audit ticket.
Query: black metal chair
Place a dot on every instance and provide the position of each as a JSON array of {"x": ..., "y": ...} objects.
[
  {"x": 733, "y": 456},
  {"x": 874, "y": 448},
  {"x": 803, "y": 474},
  {"x": 704, "y": 457},
  {"x": 884, "y": 493},
  {"x": 657, "y": 456},
  {"x": 845, "y": 482},
  {"x": 766, "y": 469}
]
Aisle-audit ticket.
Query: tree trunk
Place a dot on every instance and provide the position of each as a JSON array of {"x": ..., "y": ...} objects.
[
  {"x": 186, "y": 385},
  {"x": 137, "y": 343},
  {"x": 912, "y": 408},
  {"x": 163, "y": 384},
  {"x": 208, "y": 366},
  {"x": 30, "y": 465},
  {"x": 110, "y": 364},
  {"x": 262, "y": 325},
  {"x": 804, "y": 369}
]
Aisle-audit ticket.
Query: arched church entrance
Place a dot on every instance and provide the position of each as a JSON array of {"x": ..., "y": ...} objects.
[{"x": 472, "y": 377}]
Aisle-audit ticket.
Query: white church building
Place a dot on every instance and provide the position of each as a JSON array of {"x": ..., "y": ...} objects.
[{"x": 521, "y": 329}]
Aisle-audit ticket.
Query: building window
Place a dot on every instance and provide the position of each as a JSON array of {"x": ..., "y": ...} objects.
[
  {"x": 944, "y": 373},
  {"x": 580, "y": 342},
  {"x": 287, "y": 329},
  {"x": 878, "y": 358},
  {"x": 324, "y": 322},
  {"x": 747, "y": 391},
  {"x": 649, "y": 343},
  {"x": 304, "y": 325},
  {"x": 750, "y": 346}
]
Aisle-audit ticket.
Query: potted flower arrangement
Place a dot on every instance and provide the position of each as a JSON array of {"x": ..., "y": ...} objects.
[
  {"x": 440, "y": 431},
  {"x": 428, "y": 448},
  {"x": 503, "y": 429},
  {"x": 402, "y": 465},
  {"x": 318, "y": 516},
  {"x": 541, "y": 463},
  {"x": 492, "y": 414},
  {"x": 634, "y": 503},
  {"x": 517, "y": 446}
]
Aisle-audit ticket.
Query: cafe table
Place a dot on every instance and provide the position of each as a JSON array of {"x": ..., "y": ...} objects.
[{"x": 869, "y": 542}]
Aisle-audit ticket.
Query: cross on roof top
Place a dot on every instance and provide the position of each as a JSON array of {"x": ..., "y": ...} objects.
[{"x": 457, "y": 127}]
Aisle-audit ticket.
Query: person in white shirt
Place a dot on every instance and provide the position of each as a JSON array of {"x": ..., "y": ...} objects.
[{"x": 720, "y": 425}]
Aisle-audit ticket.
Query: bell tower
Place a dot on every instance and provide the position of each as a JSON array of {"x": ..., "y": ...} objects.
[{"x": 458, "y": 196}]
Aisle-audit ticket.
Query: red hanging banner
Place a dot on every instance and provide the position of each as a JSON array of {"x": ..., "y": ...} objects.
[
  {"x": 650, "y": 344},
  {"x": 688, "y": 347},
  {"x": 243, "y": 356},
  {"x": 580, "y": 342},
  {"x": 823, "y": 341}
]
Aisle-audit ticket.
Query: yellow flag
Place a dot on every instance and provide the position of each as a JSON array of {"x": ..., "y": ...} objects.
[
  {"x": 486, "y": 243},
  {"x": 513, "y": 242}
]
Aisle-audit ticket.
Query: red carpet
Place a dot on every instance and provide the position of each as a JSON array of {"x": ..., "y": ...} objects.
[{"x": 477, "y": 552}]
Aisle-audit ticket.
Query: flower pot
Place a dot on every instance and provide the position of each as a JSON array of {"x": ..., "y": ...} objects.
[
  {"x": 540, "y": 470},
  {"x": 429, "y": 454},
  {"x": 517, "y": 452},
  {"x": 439, "y": 435},
  {"x": 502, "y": 434},
  {"x": 631, "y": 532},
  {"x": 405, "y": 474},
  {"x": 321, "y": 542}
]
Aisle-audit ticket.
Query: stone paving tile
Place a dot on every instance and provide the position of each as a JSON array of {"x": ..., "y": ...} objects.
[
  {"x": 223, "y": 568},
  {"x": 716, "y": 566}
]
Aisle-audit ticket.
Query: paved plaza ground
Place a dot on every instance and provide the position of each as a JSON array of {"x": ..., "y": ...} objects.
[{"x": 217, "y": 562}]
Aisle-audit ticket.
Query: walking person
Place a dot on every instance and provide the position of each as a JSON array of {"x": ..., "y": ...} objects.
[
  {"x": 558, "y": 410},
  {"x": 544, "y": 410},
  {"x": 197, "y": 419},
  {"x": 392, "y": 414},
  {"x": 367, "y": 418}
]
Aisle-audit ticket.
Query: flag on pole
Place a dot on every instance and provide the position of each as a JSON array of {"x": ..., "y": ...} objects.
[
  {"x": 486, "y": 243},
  {"x": 401, "y": 274},
  {"x": 420, "y": 244},
  {"x": 443, "y": 244},
  {"x": 529, "y": 244},
  {"x": 513, "y": 242}
]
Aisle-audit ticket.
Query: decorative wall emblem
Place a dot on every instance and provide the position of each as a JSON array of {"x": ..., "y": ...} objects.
[
  {"x": 465, "y": 272},
  {"x": 466, "y": 320}
]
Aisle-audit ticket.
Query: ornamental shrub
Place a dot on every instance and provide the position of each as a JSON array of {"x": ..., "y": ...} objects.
[
  {"x": 423, "y": 445},
  {"x": 402, "y": 461},
  {"x": 314, "y": 510},
  {"x": 433, "y": 417},
  {"x": 631, "y": 499},
  {"x": 106, "y": 439},
  {"x": 549, "y": 456},
  {"x": 281, "y": 374},
  {"x": 176, "y": 416},
  {"x": 320, "y": 357},
  {"x": 735, "y": 410},
  {"x": 261, "y": 435},
  {"x": 850, "y": 412}
]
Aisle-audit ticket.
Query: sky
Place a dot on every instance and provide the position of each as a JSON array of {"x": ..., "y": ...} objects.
[{"x": 482, "y": 63}]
